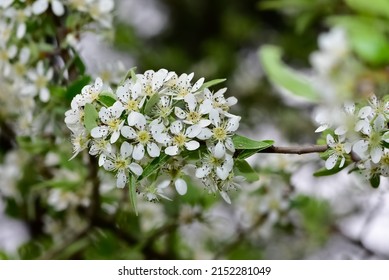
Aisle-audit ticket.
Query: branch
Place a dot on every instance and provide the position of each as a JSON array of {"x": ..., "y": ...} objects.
[{"x": 299, "y": 150}]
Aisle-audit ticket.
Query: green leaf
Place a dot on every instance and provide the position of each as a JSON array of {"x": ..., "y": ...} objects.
[
  {"x": 76, "y": 87},
  {"x": 151, "y": 102},
  {"x": 327, "y": 172},
  {"x": 132, "y": 185},
  {"x": 242, "y": 142},
  {"x": 107, "y": 99},
  {"x": 211, "y": 83},
  {"x": 375, "y": 181},
  {"x": 376, "y": 7},
  {"x": 90, "y": 117},
  {"x": 153, "y": 166},
  {"x": 242, "y": 168},
  {"x": 282, "y": 75}
]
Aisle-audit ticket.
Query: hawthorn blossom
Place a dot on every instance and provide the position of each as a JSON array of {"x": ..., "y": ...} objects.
[
  {"x": 218, "y": 101},
  {"x": 122, "y": 164},
  {"x": 129, "y": 95},
  {"x": 40, "y": 79},
  {"x": 112, "y": 123},
  {"x": 337, "y": 150},
  {"x": 20, "y": 16},
  {"x": 141, "y": 135},
  {"x": 181, "y": 86},
  {"x": 6, "y": 54},
  {"x": 182, "y": 138},
  {"x": 221, "y": 132},
  {"x": 151, "y": 82},
  {"x": 221, "y": 167}
]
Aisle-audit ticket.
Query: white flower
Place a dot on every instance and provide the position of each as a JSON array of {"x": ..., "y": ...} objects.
[
  {"x": 40, "y": 6},
  {"x": 40, "y": 78},
  {"x": 212, "y": 164},
  {"x": 373, "y": 144},
  {"x": 129, "y": 94},
  {"x": 121, "y": 163},
  {"x": 181, "y": 86},
  {"x": 194, "y": 114},
  {"x": 102, "y": 148},
  {"x": 6, "y": 3},
  {"x": 6, "y": 54},
  {"x": 100, "y": 10},
  {"x": 218, "y": 101},
  {"x": 163, "y": 109},
  {"x": 112, "y": 123},
  {"x": 179, "y": 184},
  {"x": 378, "y": 107},
  {"x": 384, "y": 163},
  {"x": 337, "y": 150},
  {"x": 182, "y": 138},
  {"x": 90, "y": 93},
  {"x": 20, "y": 67},
  {"x": 152, "y": 191},
  {"x": 151, "y": 82},
  {"x": 221, "y": 132},
  {"x": 20, "y": 17},
  {"x": 141, "y": 135},
  {"x": 80, "y": 141}
]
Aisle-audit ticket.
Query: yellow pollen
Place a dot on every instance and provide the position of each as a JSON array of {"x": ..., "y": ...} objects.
[
  {"x": 149, "y": 90},
  {"x": 179, "y": 140},
  {"x": 219, "y": 133},
  {"x": 114, "y": 124},
  {"x": 120, "y": 163},
  {"x": 193, "y": 117},
  {"x": 143, "y": 137},
  {"x": 41, "y": 82},
  {"x": 132, "y": 105}
]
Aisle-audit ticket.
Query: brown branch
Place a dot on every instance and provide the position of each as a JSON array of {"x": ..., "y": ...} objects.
[{"x": 298, "y": 150}]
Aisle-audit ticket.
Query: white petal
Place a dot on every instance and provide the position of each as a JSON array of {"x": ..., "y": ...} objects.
[
  {"x": 330, "y": 140},
  {"x": 231, "y": 101},
  {"x": 214, "y": 117},
  {"x": 99, "y": 131},
  {"x": 190, "y": 99},
  {"x": 205, "y": 107},
  {"x": 114, "y": 137},
  {"x": 126, "y": 149},
  {"x": 220, "y": 150},
  {"x": 229, "y": 145},
  {"x": 197, "y": 85},
  {"x": 102, "y": 159},
  {"x": 153, "y": 149},
  {"x": 21, "y": 30},
  {"x": 341, "y": 130},
  {"x": 176, "y": 127},
  {"x": 222, "y": 172},
  {"x": 40, "y": 6},
  {"x": 204, "y": 123},
  {"x": 121, "y": 179},
  {"x": 376, "y": 154},
  {"x": 179, "y": 113},
  {"x": 139, "y": 152},
  {"x": 233, "y": 124},
  {"x": 193, "y": 131},
  {"x": 205, "y": 134},
  {"x": 136, "y": 168},
  {"x": 44, "y": 95},
  {"x": 158, "y": 79},
  {"x": 360, "y": 148},
  {"x": 379, "y": 123},
  {"x": 343, "y": 160},
  {"x": 171, "y": 150},
  {"x": 57, "y": 8},
  {"x": 128, "y": 132},
  {"x": 203, "y": 171},
  {"x": 181, "y": 186},
  {"x": 331, "y": 161},
  {"x": 136, "y": 119},
  {"x": 192, "y": 145},
  {"x": 164, "y": 184},
  {"x": 365, "y": 112},
  {"x": 108, "y": 165},
  {"x": 225, "y": 196}
]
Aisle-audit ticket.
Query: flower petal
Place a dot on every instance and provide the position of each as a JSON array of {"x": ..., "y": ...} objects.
[
  {"x": 220, "y": 150},
  {"x": 179, "y": 113},
  {"x": 126, "y": 150},
  {"x": 99, "y": 131},
  {"x": 376, "y": 154},
  {"x": 136, "y": 168},
  {"x": 121, "y": 179},
  {"x": 205, "y": 134},
  {"x": 331, "y": 161},
  {"x": 153, "y": 149},
  {"x": 193, "y": 131},
  {"x": 181, "y": 186},
  {"x": 171, "y": 150},
  {"x": 225, "y": 196},
  {"x": 139, "y": 152},
  {"x": 176, "y": 127},
  {"x": 192, "y": 145}
]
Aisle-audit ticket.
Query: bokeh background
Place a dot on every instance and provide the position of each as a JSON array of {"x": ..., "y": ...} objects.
[{"x": 287, "y": 214}]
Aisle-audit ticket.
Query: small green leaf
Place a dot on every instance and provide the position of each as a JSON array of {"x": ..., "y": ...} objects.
[
  {"x": 90, "y": 117},
  {"x": 211, "y": 83},
  {"x": 375, "y": 181},
  {"x": 76, "y": 87},
  {"x": 132, "y": 185},
  {"x": 107, "y": 99},
  {"x": 242, "y": 142},
  {"x": 151, "y": 102},
  {"x": 153, "y": 166},
  {"x": 282, "y": 75},
  {"x": 242, "y": 168}
]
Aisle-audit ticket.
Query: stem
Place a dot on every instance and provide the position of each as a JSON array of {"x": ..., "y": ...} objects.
[{"x": 299, "y": 150}]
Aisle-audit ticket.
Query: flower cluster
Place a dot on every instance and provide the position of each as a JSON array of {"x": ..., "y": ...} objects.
[
  {"x": 29, "y": 67},
  {"x": 158, "y": 127},
  {"x": 361, "y": 134}
]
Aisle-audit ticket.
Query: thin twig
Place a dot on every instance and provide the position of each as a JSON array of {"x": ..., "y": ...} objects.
[{"x": 298, "y": 150}]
